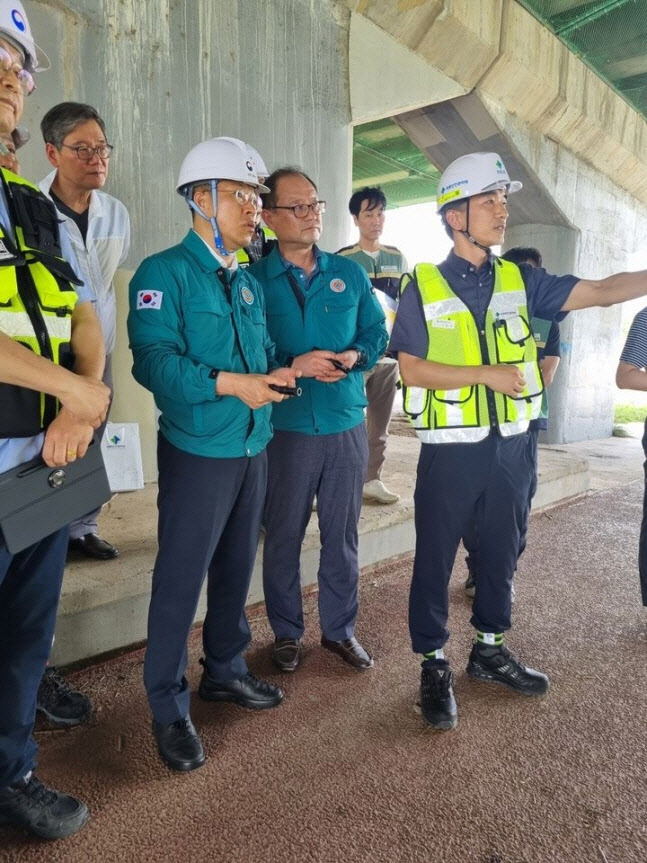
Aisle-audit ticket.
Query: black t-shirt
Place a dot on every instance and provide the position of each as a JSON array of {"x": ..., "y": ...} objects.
[{"x": 80, "y": 219}]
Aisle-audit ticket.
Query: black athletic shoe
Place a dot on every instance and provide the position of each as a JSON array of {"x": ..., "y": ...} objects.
[
  {"x": 247, "y": 691},
  {"x": 47, "y": 813},
  {"x": 437, "y": 702},
  {"x": 59, "y": 703},
  {"x": 499, "y": 665}
]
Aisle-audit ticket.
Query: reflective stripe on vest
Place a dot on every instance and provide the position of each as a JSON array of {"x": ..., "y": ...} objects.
[
  {"x": 461, "y": 415},
  {"x": 36, "y": 309}
]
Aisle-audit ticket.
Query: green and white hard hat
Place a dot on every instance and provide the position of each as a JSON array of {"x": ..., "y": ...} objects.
[
  {"x": 471, "y": 175},
  {"x": 15, "y": 27}
]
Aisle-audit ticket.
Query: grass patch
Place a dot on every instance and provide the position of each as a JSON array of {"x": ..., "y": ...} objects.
[{"x": 629, "y": 414}]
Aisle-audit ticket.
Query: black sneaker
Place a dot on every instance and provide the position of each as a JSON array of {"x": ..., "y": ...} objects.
[
  {"x": 499, "y": 665},
  {"x": 247, "y": 691},
  {"x": 47, "y": 813},
  {"x": 437, "y": 702},
  {"x": 59, "y": 703}
]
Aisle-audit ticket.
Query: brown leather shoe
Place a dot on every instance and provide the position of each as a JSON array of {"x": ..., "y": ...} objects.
[
  {"x": 286, "y": 653},
  {"x": 350, "y": 650}
]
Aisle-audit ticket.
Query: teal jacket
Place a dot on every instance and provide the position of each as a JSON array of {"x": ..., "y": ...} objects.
[
  {"x": 340, "y": 312},
  {"x": 181, "y": 326}
]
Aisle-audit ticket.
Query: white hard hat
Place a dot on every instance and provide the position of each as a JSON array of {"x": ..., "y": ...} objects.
[
  {"x": 15, "y": 26},
  {"x": 257, "y": 159},
  {"x": 218, "y": 159},
  {"x": 254, "y": 155},
  {"x": 471, "y": 175}
]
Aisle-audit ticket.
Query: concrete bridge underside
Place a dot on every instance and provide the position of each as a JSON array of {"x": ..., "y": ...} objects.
[
  {"x": 488, "y": 76},
  {"x": 296, "y": 75}
]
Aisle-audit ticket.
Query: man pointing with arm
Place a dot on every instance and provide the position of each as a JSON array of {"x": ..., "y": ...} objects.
[{"x": 468, "y": 361}]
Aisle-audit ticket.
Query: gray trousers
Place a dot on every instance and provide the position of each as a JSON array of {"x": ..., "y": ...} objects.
[
  {"x": 300, "y": 466},
  {"x": 380, "y": 383}
]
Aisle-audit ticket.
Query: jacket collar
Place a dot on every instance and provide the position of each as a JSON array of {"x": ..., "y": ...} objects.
[
  {"x": 200, "y": 251},
  {"x": 276, "y": 267}
]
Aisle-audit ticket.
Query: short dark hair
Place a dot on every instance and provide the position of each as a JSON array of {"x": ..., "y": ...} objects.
[
  {"x": 459, "y": 205},
  {"x": 269, "y": 198},
  {"x": 373, "y": 194},
  {"x": 63, "y": 118},
  {"x": 523, "y": 255}
]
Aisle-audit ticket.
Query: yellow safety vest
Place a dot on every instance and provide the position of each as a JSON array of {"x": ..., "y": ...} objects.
[
  {"x": 37, "y": 299},
  {"x": 263, "y": 248},
  {"x": 461, "y": 415}
]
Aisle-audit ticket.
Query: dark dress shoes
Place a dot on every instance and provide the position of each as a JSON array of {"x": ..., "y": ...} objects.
[
  {"x": 247, "y": 691},
  {"x": 350, "y": 650},
  {"x": 93, "y": 546},
  {"x": 178, "y": 744},
  {"x": 286, "y": 653}
]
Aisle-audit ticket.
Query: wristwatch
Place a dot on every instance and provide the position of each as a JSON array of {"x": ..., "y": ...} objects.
[{"x": 361, "y": 358}]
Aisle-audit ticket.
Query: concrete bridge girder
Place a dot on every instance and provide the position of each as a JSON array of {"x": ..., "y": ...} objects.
[
  {"x": 499, "y": 48},
  {"x": 580, "y": 150}
]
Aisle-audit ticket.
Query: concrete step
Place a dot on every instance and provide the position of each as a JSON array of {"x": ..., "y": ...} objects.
[{"x": 104, "y": 604}]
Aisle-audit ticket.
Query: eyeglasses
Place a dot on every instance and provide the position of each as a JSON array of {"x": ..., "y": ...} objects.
[
  {"x": 243, "y": 198},
  {"x": 25, "y": 78},
  {"x": 301, "y": 210},
  {"x": 86, "y": 153}
]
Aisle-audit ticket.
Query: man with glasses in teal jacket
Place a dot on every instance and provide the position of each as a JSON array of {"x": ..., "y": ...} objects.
[{"x": 327, "y": 324}]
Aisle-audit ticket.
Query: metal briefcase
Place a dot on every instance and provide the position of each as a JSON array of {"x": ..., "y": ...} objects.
[{"x": 37, "y": 500}]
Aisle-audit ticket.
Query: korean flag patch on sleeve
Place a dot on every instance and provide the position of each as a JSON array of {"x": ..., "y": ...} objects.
[{"x": 149, "y": 299}]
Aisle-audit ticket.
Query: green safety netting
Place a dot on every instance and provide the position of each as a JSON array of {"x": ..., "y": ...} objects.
[
  {"x": 609, "y": 35},
  {"x": 384, "y": 156}
]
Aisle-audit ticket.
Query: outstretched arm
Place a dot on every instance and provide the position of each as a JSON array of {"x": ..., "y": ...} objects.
[{"x": 606, "y": 292}]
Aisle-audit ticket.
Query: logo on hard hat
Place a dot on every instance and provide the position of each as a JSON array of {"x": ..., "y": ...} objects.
[
  {"x": 249, "y": 166},
  {"x": 453, "y": 186},
  {"x": 18, "y": 20}
]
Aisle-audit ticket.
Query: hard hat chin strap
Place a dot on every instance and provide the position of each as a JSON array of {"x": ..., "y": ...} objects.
[
  {"x": 466, "y": 232},
  {"x": 217, "y": 236}
]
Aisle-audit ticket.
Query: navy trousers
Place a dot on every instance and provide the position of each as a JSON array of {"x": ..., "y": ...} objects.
[
  {"x": 209, "y": 521},
  {"x": 300, "y": 466},
  {"x": 30, "y": 586},
  {"x": 463, "y": 487},
  {"x": 470, "y": 540}
]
